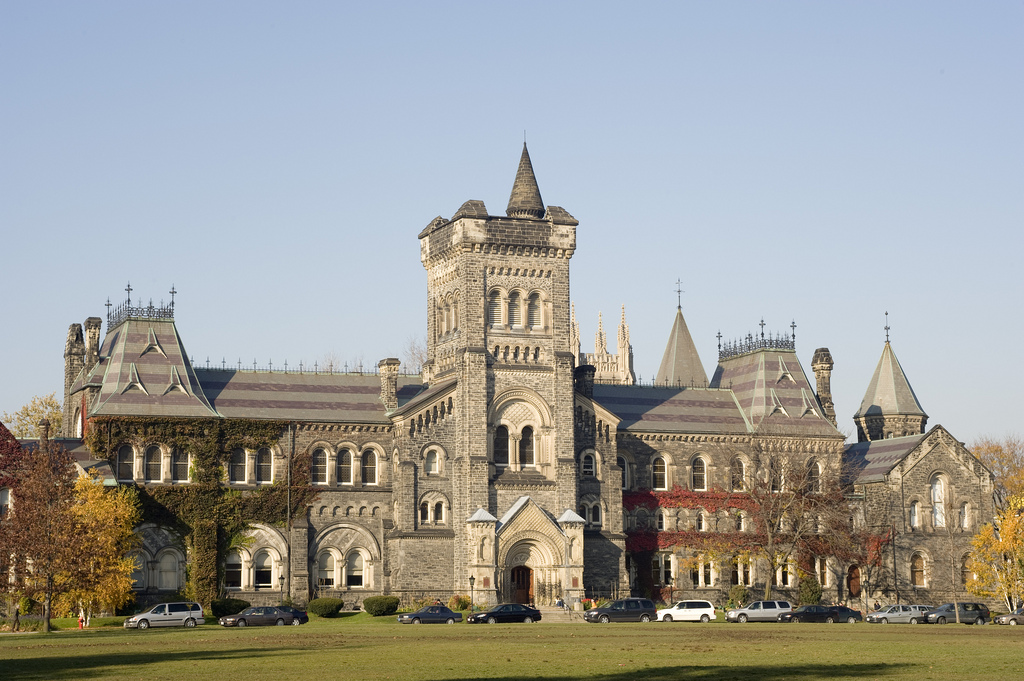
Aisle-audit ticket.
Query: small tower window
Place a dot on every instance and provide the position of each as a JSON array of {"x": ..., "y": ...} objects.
[
  {"x": 659, "y": 474},
  {"x": 917, "y": 570},
  {"x": 501, "y": 446},
  {"x": 698, "y": 476},
  {"x": 325, "y": 570},
  {"x": 354, "y": 576},
  {"x": 125, "y": 462},
  {"x": 515, "y": 312},
  {"x": 625, "y": 471},
  {"x": 319, "y": 467},
  {"x": 533, "y": 311},
  {"x": 153, "y": 464},
  {"x": 494, "y": 309},
  {"x": 236, "y": 466},
  {"x": 526, "y": 457},
  {"x": 813, "y": 477},
  {"x": 738, "y": 475},
  {"x": 179, "y": 465},
  {"x": 588, "y": 465},
  {"x": 264, "y": 466},
  {"x": 369, "y": 468},
  {"x": 424, "y": 512},
  {"x": 439, "y": 512},
  {"x": 595, "y": 514},
  {"x": 431, "y": 463},
  {"x": 938, "y": 494},
  {"x": 344, "y": 465}
]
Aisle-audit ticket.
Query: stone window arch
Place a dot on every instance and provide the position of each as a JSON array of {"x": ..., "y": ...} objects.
[
  {"x": 515, "y": 310},
  {"x": 737, "y": 475},
  {"x": 319, "y": 466},
  {"x": 494, "y": 309},
  {"x": 813, "y": 479},
  {"x": 917, "y": 570},
  {"x": 527, "y": 456},
  {"x": 700, "y": 523},
  {"x": 344, "y": 466},
  {"x": 5, "y": 501},
  {"x": 233, "y": 570},
  {"x": 626, "y": 474},
  {"x": 937, "y": 495},
  {"x": 915, "y": 515},
  {"x": 965, "y": 516},
  {"x": 125, "y": 463},
  {"x": 78, "y": 422},
  {"x": 368, "y": 467},
  {"x": 236, "y": 466},
  {"x": 698, "y": 474},
  {"x": 662, "y": 524},
  {"x": 179, "y": 465},
  {"x": 501, "y": 446},
  {"x": 326, "y": 568},
  {"x": 140, "y": 569},
  {"x": 534, "y": 315},
  {"x": 264, "y": 466},
  {"x": 355, "y": 570},
  {"x": 587, "y": 467},
  {"x": 153, "y": 464},
  {"x": 741, "y": 522},
  {"x": 659, "y": 474},
  {"x": 433, "y": 509},
  {"x": 168, "y": 565},
  {"x": 430, "y": 464},
  {"x": 966, "y": 573},
  {"x": 424, "y": 513}
]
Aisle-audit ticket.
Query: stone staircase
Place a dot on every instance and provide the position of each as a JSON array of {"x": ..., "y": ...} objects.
[{"x": 551, "y": 614}]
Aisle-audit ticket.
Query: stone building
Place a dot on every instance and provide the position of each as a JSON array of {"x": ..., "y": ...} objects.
[{"x": 515, "y": 467}]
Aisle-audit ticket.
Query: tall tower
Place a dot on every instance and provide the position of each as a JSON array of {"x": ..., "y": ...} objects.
[
  {"x": 821, "y": 365},
  {"x": 889, "y": 408}
]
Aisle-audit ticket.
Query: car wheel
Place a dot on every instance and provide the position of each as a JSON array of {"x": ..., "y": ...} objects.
[
  {"x": 416, "y": 621},
  {"x": 492, "y": 620},
  {"x": 666, "y": 618},
  {"x": 830, "y": 620},
  {"x": 851, "y": 620},
  {"x": 190, "y": 623},
  {"x": 143, "y": 624},
  {"x": 795, "y": 620},
  {"x": 527, "y": 620},
  {"x": 280, "y": 622},
  {"x": 450, "y": 620},
  {"x": 296, "y": 622},
  {"x": 604, "y": 619},
  {"x": 645, "y": 618},
  {"x": 913, "y": 620},
  {"x": 742, "y": 619},
  {"x": 705, "y": 619},
  {"x": 1012, "y": 623},
  {"x": 980, "y": 621},
  {"x": 885, "y": 620},
  {"x": 941, "y": 620},
  {"x": 241, "y": 623}
]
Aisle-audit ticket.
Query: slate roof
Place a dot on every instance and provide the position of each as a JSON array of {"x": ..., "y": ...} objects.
[
  {"x": 681, "y": 365},
  {"x": 672, "y": 410},
  {"x": 889, "y": 391},
  {"x": 525, "y": 201},
  {"x": 84, "y": 459},
  {"x": 872, "y": 461}
]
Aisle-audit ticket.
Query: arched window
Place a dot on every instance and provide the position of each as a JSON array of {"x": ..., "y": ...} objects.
[
  {"x": 965, "y": 516},
  {"x": 501, "y": 446},
  {"x": 698, "y": 475},
  {"x": 325, "y": 570},
  {"x": 179, "y": 465},
  {"x": 938, "y": 496},
  {"x": 125, "y": 463},
  {"x": 738, "y": 475},
  {"x": 424, "y": 512},
  {"x": 369, "y": 467},
  {"x": 263, "y": 570},
  {"x": 813, "y": 477},
  {"x": 455, "y": 312},
  {"x": 344, "y": 465},
  {"x": 354, "y": 571},
  {"x": 430, "y": 464},
  {"x": 533, "y": 311},
  {"x": 233, "y": 570},
  {"x": 774, "y": 476},
  {"x": 153, "y": 464},
  {"x": 515, "y": 312},
  {"x": 661, "y": 522},
  {"x": 168, "y": 572},
  {"x": 917, "y": 570},
  {"x": 966, "y": 574},
  {"x": 494, "y": 309},
  {"x": 139, "y": 562},
  {"x": 236, "y": 466},
  {"x": 915, "y": 514},
  {"x": 5, "y": 501},
  {"x": 699, "y": 524},
  {"x": 319, "y": 471},
  {"x": 526, "y": 447},
  {"x": 659, "y": 474},
  {"x": 439, "y": 512},
  {"x": 78, "y": 422},
  {"x": 741, "y": 522},
  {"x": 264, "y": 466},
  {"x": 595, "y": 514},
  {"x": 588, "y": 465},
  {"x": 621, "y": 462}
]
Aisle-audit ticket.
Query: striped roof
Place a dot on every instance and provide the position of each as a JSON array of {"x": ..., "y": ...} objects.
[
  {"x": 889, "y": 391},
  {"x": 672, "y": 410},
  {"x": 872, "y": 461},
  {"x": 680, "y": 365}
]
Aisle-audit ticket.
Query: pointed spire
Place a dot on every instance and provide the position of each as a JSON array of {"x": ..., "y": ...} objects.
[
  {"x": 681, "y": 364},
  {"x": 623, "y": 331},
  {"x": 600, "y": 342},
  {"x": 889, "y": 392},
  {"x": 525, "y": 201}
]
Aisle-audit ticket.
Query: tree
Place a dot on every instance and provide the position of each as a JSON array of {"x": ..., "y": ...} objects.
[
  {"x": 997, "y": 556},
  {"x": 24, "y": 423},
  {"x": 414, "y": 355},
  {"x": 1005, "y": 458}
]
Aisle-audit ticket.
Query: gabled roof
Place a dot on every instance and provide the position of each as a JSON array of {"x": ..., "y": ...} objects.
[
  {"x": 889, "y": 391},
  {"x": 871, "y": 461},
  {"x": 680, "y": 365},
  {"x": 525, "y": 201},
  {"x": 672, "y": 410},
  {"x": 85, "y": 462},
  {"x": 481, "y": 516}
]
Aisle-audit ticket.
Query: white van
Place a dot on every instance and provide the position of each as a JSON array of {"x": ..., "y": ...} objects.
[
  {"x": 688, "y": 611},
  {"x": 167, "y": 615},
  {"x": 759, "y": 611}
]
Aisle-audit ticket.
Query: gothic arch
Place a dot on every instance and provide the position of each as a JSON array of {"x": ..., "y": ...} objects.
[
  {"x": 345, "y": 536},
  {"x": 520, "y": 407}
]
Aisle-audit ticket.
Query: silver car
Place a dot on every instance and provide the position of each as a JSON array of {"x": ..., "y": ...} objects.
[
  {"x": 167, "y": 615},
  {"x": 899, "y": 614},
  {"x": 759, "y": 611}
]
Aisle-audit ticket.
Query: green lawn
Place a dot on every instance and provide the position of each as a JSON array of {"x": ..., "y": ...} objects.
[{"x": 360, "y": 647}]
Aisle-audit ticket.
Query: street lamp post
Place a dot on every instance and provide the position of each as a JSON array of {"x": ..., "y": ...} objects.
[
  {"x": 472, "y": 581},
  {"x": 280, "y": 580}
]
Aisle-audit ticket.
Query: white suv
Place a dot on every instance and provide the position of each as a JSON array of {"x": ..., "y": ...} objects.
[
  {"x": 688, "y": 611},
  {"x": 759, "y": 611}
]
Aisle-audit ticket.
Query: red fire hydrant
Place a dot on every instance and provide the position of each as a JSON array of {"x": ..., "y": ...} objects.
[{"x": 81, "y": 622}]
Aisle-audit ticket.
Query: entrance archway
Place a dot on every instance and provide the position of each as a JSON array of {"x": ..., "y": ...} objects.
[
  {"x": 853, "y": 582},
  {"x": 522, "y": 584}
]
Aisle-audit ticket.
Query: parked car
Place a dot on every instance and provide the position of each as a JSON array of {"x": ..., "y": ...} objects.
[
  {"x": 167, "y": 615},
  {"x": 758, "y": 611},
  {"x": 821, "y": 613},
  {"x": 623, "y": 610},
  {"x": 688, "y": 611},
  {"x": 506, "y": 612},
  {"x": 301, "y": 617},
  {"x": 1012, "y": 618},
  {"x": 899, "y": 614},
  {"x": 431, "y": 614},
  {"x": 255, "y": 617},
  {"x": 970, "y": 613}
]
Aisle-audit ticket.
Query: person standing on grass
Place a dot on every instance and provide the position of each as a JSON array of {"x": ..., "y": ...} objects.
[{"x": 17, "y": 619}]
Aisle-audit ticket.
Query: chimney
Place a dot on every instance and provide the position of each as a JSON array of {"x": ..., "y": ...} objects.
[
  {"x": 821, "y": 365},
  {"x": 92, "y": 341},
  {"x": 388, "y": 369},
  {"x": 44, "y": 435},
  {"x": 584, "y": 378}
]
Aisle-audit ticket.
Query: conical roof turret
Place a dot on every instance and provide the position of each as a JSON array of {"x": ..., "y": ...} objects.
[
  {"x": 525, "y": 201},
  {"x": 681, "y": 364},
  {"x": 889, "y": 392}
]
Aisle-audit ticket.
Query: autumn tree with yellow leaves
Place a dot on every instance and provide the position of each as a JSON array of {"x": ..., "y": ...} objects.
[
  {"x": 997, "y": 558},
  {"x": 24, "y": 423}
]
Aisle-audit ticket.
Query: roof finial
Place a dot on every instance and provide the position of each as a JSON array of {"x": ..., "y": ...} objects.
[
  {"x": 886, "y": 326},
  {"x": 762, "y": 328},
  {"x": 129, "y": 290},
  {"x": 719, "y": 337},
  {"x": 172, "y": 292},
  {"x": 793, "y": 329},
  {"x": 679, "y": 294}
]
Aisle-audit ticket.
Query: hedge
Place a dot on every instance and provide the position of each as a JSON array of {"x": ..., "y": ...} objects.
[
  {"x": 325, "y": 607},
  {"x": 227, "y": 606},
  {"x": 381, "y": 605}
]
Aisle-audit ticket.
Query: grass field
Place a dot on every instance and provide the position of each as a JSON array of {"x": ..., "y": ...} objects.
[{"x": 361, "y": 647}]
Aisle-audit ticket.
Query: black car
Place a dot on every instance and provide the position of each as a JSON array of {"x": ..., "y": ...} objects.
[
  {"x": 507, "y": 612},
  {"x": 300, "y": 615},
  {"x": 431, "y": 614},
  {"x": 255, "y": 617},
  {"x": 970, "y": 613},
  {"x": 624, "y": 610},
  {"x": 821, "y": 613}
]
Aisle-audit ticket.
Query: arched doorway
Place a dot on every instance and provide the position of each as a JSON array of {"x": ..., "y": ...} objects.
[
  {"x": 522, "y": 584},
  {"x": 853, "y": 582}
]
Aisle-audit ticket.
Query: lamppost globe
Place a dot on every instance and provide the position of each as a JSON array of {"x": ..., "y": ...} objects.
[{"x": 472, "y": 582}]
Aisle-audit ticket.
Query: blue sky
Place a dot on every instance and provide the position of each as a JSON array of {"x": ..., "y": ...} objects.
[{"x": 817, "y": 162}]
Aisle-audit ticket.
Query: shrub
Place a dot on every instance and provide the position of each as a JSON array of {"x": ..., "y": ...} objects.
[
  {"x": 325, "y": 607},
  {"x": 227, "y": 606},
  {"x": 458, "y": 602},
  {"x": 738, "y": 596},
  {"x": 381, "y": 605},
  {"x": 810, "y": 591}
]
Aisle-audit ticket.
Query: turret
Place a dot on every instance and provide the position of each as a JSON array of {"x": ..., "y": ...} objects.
[{"x": 821, "y": 365}]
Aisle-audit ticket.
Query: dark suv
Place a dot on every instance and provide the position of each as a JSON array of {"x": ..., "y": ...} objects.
[
  {"x": 624, "y": 610},
  {"x": 970, "y": 613}
]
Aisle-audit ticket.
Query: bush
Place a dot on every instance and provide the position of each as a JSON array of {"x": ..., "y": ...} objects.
[
  {"x": 227, "y": 606},
  {"x": 458, "y": 602},
  {"x": 381, "y": 605},
  {"x": 325, "y": 607},
  {"x": 810, "y": 591},
  {"x": 738, "y": 596}
]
